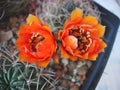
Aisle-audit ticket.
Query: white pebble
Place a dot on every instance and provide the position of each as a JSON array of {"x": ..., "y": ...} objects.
[{"x": 65, "y": 62}]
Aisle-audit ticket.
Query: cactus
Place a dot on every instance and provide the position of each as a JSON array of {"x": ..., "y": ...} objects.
[
  {"x": 16, "y": 75},
  {"x": 55, "y": 12}
]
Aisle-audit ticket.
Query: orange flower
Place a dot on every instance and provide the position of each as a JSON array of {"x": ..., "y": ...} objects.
[
  {"x": 80, "y": 38},
  {"x": 36, "y": 42}
]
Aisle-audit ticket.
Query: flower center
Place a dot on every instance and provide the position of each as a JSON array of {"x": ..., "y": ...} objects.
[
  {"x": 34, "y": 40},
  {"x": 84, "y": 38}
]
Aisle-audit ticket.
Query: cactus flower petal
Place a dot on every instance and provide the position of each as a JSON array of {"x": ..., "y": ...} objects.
[
  {"x": 77, "y": 13},
  {"x": 36, "y": 42},
  {"x": 81, "y": 37}
]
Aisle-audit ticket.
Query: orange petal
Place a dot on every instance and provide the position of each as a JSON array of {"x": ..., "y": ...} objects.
[
  {"x": 26, "y": 57},
  {"x": 43, "y": 63},
  {"x": 23, "y": 28},
  {"x": 56, "y": 58},
  {"x": 97, "y": 46},
  {"x": 69, "y": 49},
  {"x": 64, "y": 54},
  {"x": 44, "y": 50},
  {"x": 77, "y": 13},
  {"x": 83, "y": 56},
  {"x": 102, "y": 45},
  {"x": 22, "y": 56},
  {"x": 90, "y": 20},
  {"x": 93, "y": 57},
  {"x": 62, "y": 33},
  {"x": 22, "y": 40},
  {"x": 67, "y": 21},
  {"x": 100, "y": 29},
  {"x": 47, "y": 28},
  {"x": 71, "y": 41},
  {"x": 46, "y": 24},
  {"x": 33, "y": 19}
]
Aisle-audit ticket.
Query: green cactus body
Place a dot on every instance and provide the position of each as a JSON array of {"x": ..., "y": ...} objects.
[
  {"x": 55, "y": 12},
  {"x": 15, "y": 75}
]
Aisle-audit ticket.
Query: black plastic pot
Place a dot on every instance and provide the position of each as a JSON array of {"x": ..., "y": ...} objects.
[{"x": 94, "y": 74}]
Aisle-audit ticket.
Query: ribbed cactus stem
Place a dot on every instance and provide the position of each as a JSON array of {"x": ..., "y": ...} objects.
[
  {"x": 17, "y": 75},
  {"x": 55, "y": 12}
]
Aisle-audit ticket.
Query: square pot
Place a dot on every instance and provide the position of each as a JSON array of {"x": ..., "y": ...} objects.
[{"x": 94, "y": 74}]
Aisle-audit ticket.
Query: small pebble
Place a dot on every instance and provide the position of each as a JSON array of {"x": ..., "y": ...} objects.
[
  {"x": 65, "y": 69},
  {"x": 59, "y": 74},
  {"x": 80, "y": 64},
  {"x": 82, "y": 70},
  {"x": 71, "y": 66},
  {"x": 4, "y": 36},
  {"x": 89, "y": 64},
  {"x": 64, "y": 83},
  {"x": 75, "y": 87},
  {"x": 13, "y": 20},
  {"x": 72, "y": 84},
  {"x": 65, "y": 61},
  {"x": 58, "y": 67}
]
